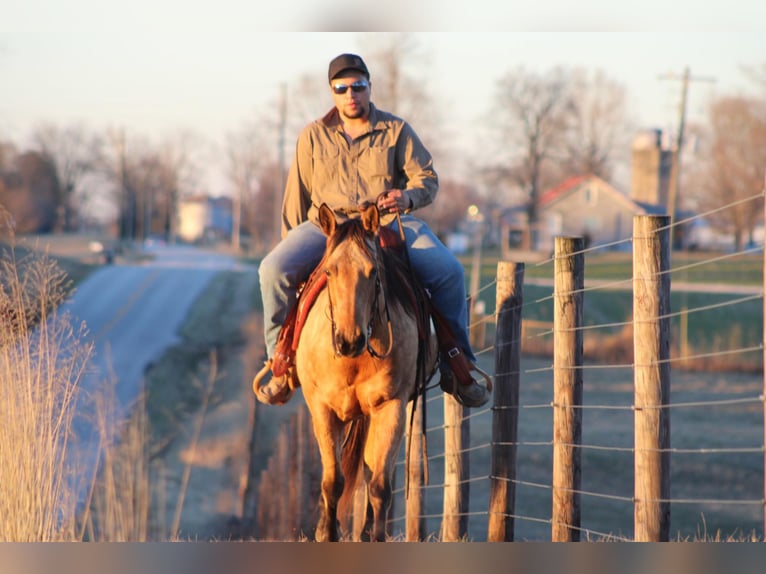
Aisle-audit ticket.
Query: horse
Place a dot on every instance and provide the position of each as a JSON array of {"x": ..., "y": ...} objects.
[{"x": 357, "y": 362}]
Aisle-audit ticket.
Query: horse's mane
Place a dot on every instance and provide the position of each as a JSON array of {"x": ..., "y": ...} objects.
[{"x": 393, "y": 267}]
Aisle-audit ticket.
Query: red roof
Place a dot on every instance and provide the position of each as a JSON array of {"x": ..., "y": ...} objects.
[{"x": 559, "y": 190}]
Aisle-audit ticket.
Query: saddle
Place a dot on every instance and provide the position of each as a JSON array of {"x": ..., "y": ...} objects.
[{"x": 289, "y": 335}]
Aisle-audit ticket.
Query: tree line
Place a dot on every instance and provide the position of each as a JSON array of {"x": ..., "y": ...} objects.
[{"x": 539, "y": 127}]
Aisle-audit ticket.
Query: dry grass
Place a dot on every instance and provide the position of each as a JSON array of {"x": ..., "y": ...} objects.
[{"x": 41, "y": 363}]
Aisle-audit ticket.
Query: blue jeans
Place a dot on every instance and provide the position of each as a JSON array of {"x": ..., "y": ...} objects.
[{"x": 296, "y": 256}]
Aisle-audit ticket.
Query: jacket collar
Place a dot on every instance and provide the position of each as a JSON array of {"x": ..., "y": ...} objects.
[{"x": 332, "y": 119}]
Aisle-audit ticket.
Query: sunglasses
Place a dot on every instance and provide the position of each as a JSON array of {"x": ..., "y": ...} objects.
[{"x": 358, "y": 86}]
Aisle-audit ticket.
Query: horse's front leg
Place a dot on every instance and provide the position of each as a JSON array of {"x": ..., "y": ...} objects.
[
  {"x": 327, "y": 432},
  {"x": 383, "y": 441}
]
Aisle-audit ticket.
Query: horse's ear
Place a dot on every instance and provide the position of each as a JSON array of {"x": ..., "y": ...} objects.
[
  {"x": 371, "y": 218},
  {"x": 327, "y": 219}
]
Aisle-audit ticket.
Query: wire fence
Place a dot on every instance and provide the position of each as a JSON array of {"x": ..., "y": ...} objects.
[{"x": 715, "y": 448}]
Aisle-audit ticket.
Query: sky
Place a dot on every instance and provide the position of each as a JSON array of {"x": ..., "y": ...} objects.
[{"x": 154, "y": 67}]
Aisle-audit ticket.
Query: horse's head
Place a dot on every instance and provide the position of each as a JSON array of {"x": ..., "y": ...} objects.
[{"x": 352, "y": 266}]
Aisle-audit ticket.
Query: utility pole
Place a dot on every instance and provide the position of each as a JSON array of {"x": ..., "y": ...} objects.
[
  {"x": 279, "y": 192},
  {"x": 675, "y": 174}
]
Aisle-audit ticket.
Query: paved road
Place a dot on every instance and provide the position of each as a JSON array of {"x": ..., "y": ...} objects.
[{"x": 132, "y": 313}]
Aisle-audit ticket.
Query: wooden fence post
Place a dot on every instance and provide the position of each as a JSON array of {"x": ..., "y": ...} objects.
[
  {"x": 294, "y": 478},
  {"x": 505, "y": 414},
  {"x": 651, "y": 350},
  {"x": 415, "y": 522},
  {"x": 281, "y": 477},
  {"x": 567, "y": 387},
  {"x": 457, "y": 431},
  {"x": 764, "y": 373},
  {"x": 306, "y": 470}
]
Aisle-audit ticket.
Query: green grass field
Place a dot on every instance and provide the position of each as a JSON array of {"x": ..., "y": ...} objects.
[{"x": 717, "y": 321}]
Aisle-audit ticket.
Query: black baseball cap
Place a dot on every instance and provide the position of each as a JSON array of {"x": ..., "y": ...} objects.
[{"x": 347, "y": 62}]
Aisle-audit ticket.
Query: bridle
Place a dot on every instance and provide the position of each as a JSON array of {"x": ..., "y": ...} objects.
[{"x": 375, "y": 312}]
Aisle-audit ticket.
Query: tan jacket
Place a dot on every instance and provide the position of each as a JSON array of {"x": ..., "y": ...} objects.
[{"x": 327, "y": 169}]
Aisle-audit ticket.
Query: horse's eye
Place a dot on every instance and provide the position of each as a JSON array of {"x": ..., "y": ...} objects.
[{"x": 327, "y": 272}]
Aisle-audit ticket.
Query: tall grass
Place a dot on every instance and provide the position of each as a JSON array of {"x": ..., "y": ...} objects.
[
  {"x": 42, "y": 360},
  {"x": 47, "y": 491}
]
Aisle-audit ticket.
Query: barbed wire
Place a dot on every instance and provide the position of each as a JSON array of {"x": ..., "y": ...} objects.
[
  {"x": 673, "y": 224},
  {"x": 715, "y": 210},
  {"x": 487, "y": 319}
]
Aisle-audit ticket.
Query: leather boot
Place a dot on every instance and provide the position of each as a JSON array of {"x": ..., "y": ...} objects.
[
  {"x": 275, "y": 392},
  {"x": 472, "y": 395}
]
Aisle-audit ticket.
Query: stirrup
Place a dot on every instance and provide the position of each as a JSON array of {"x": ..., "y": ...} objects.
[{"x": 279, "y": 398}]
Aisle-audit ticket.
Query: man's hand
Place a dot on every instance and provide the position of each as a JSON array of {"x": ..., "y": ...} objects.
[{"x": 393, "y": 200}]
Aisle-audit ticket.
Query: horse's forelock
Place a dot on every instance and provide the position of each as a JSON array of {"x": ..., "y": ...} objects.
[{"x": 351, "y": 229}]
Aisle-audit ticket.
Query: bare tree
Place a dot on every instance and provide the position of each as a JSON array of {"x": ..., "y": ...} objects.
[
  {"x": 75, "y": 153},
  {"x": 28, "y": 191},
  {"x": 245, "y": 158},
  {"x": 396, "y": 62},
  {"x": 118, "y": 167},
  {"x": 257, "y": 212},
  {"x": 533, "y": 115},
  {"x": 598, "y": 128},
  {"x": 734, "y": 158},
  {"x": 178, "y": 155},
  {"x": 149, "y": 180}
]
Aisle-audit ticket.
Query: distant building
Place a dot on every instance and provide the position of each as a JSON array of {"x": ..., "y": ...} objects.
[
  {"x": 589, "y": 207},
  {"x": 651, "y": 165},
  {"x": 204, "y": 218},
  {"x": 582, "y": 206}
]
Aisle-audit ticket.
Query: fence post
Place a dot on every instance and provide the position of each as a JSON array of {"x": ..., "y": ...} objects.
[
  {"x": 567, "y": 387},
  {"x": 651, "y": 350},
  {"x": 294, "y": 478},
  {"x": 456, "y": 466},
  {"x": 304, "y": 448},
  {"x": 415, "y": 522},
  {"x": 505, "y": 414},
  {"x": 283, "y": 471},
  {"x": 764, "y": 379}
]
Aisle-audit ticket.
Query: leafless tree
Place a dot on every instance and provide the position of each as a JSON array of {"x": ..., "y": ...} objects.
[
  {"x": 533, "y": 114},
  {"x": 75, "y": 152},
  {"x": 180, "y": 157},
  {"x": 246, "y": 155},
  {"x": 257, "y": 214},
  {"x": 28, "y": 191},
  {"x": 149, "y": 180},
  {"x": 599, "y": 130},
  {"x": 733, "y": 160},
  {"x": 396, "y": 62},
  {"x": 305, "y": 100}
]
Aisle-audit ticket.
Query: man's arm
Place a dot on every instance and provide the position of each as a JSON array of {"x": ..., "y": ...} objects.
[
  {"x": 416, "y": 162},
  {"x": 297, "y": 198}
]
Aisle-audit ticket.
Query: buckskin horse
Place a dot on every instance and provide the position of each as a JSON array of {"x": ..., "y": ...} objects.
[{"x": 357, "y": 362}]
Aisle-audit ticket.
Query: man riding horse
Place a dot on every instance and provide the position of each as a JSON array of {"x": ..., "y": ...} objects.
[{"x": 353, "y": 155}]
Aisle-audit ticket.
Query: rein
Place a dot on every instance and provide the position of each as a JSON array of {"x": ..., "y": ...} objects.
[
  {"x": 378, "y": 289},
  {"x": 421, "y": 377}
]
